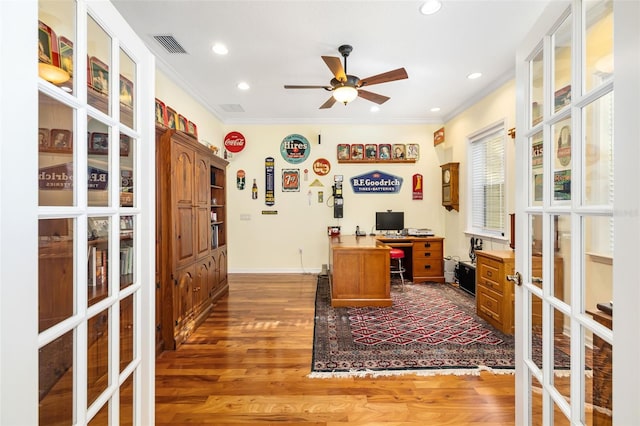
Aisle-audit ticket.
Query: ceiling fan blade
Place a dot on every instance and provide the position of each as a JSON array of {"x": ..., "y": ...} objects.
[
  {"x": 398, "y": 74},
  {"x": 373, "y": 97},
  {"x": 293, "y": 86},
  {"x": 336, "y": 68},
  {"x": 329, "y": 103}
]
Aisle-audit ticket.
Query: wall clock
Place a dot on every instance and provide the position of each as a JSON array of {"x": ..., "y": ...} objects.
[{"x": 450, "y": 186}]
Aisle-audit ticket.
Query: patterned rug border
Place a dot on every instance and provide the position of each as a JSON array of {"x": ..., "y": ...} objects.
[{"x": 364, "y": 371}]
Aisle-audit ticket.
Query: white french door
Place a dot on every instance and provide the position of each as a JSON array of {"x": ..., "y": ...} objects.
[
  {"x": 572, "y": 144},
  {"x": 83, "y": 309}
]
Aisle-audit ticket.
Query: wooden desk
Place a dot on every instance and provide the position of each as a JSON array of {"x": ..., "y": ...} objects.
[
  {"x": 360, "y": 267},
  {"x": 359, "y": 271},
  {"x": 424, "y": 257}
]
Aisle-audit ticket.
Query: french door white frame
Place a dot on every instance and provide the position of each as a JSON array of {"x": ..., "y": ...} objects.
[
  {"x": 19, "y": 214},
  {"x": 626, "y": 208}
]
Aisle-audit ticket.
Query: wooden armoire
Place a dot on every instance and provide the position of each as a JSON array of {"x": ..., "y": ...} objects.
[{"x": 192, "y": 236}]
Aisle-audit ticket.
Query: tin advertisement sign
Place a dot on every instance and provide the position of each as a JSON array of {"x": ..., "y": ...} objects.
[
  {"x": 321, "y": 167},
  {"x": 234, "y": 142},
  {"x": 269, "y": 187},
  {"x": 290, "y": 180},
  {"x": 60, "y": 177},
  {"x": 295, "y": 148},
  {"x": 417, "y": 186},
  {"x": 376, "y": 182}
]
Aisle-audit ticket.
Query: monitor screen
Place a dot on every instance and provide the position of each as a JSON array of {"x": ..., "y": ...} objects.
[{"x": 389, "y": 221}]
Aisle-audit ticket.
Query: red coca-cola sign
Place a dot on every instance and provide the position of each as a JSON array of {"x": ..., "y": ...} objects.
[{"x": 234, "y": 142}]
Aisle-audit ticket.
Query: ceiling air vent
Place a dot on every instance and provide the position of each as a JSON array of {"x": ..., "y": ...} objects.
[
  {"x": 232, "y": 107},
  {"x": 170, "y": 43}
]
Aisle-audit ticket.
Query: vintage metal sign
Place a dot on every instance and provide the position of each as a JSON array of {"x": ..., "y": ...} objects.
[
  {"x": 417, "y": 186},
  {"x": 60, "y": 177},
  {"x": 376, "y": 182},
  {"x": 321, "y": 167},
  {"x": 269, "y": 188},
  {"x": 290, "y": 180},
  {"x": 234, "y": 142},
  {"x": 295, "y": 148}
]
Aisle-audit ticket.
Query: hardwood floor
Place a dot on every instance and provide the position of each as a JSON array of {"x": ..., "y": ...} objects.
[{"x": 247, "y": 364}]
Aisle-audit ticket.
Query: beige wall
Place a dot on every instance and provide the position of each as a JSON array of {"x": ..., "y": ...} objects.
[
  {"x": 269, "y": 243},
  {"x": 495, "y": 107}
]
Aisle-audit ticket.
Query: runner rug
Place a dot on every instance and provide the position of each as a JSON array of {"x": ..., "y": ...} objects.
[{"x": 430, "y": 329}]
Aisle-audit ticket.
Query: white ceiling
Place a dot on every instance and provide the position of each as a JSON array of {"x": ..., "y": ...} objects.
[{"x": 273, "y": 43}]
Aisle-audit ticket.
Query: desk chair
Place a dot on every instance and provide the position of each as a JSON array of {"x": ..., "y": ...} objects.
[{"x": 397, "y": 268}]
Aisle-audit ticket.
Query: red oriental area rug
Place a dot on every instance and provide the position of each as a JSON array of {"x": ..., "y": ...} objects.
[{"x": 430, "y": 329}]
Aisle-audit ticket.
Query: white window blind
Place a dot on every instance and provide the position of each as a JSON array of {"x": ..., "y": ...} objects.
[{"x": 487, "y": 183}]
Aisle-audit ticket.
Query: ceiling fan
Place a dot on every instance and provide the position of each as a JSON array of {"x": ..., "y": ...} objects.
[{"x": 345, "y": 87}]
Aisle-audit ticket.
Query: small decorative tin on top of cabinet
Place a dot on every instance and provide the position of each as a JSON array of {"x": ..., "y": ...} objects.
[{"x": 192, "y": 211}]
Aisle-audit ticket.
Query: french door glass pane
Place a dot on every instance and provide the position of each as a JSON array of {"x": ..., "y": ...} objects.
[
  {"x": 97, "y": 355},
  {"x": 598, "y": 66},
  {"x": 126, "y": 402},
  {"x": 598, "y": 366},
  {"x": 98, "y": 262},
  {"x": 101, "y": 418},
  {"x": 537, "y": 172},
  {"x": 536, "y": 333},
  {"x": 127, "y": 90},
  {"x": 598, "y": 156},
  {"x": 562, "y": 160},
  {"x": 535, "y": 405},
  {"x": 99, "y": 141},
  {"x": 55, "y": 271},
  {"x": 598, "y": 264},
  {"x": 55, "y": 153},
  {"x": 561, "y": 353},
  {"x": 561, "y": 288},
  {"x": 536, "y": 88},
  {"x": 127, "y": 165},
  {"x": 127, "y": 253},
  {"x": 56, "y": 38},
  {"x": 55, "y": 381},
  {"x": 562, "y": 65},
  {"x": 99, "y": 52},
  {"x": 126, "y": 332}
]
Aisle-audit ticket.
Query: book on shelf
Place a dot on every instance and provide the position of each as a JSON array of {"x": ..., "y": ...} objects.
[{"x": 214, "y": 236}]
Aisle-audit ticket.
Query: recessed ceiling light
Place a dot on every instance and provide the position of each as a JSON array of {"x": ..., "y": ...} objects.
[
  {"x": 474, "y": 75},
  {"x": 243, "y": 85},
  {"x": 375, "y": 108},
  {"x": 220, "y": 49},
  {"x": 430, "y": 7},
  {"x": 435, "y": 109}
]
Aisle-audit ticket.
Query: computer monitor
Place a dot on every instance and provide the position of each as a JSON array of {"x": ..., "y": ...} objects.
[{"x": 389, "y": 221}]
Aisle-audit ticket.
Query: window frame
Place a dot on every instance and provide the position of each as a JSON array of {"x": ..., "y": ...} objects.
[{"x": 489, "y": 133}]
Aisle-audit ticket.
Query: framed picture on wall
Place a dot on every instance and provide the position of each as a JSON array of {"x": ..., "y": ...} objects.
[
  {"x": 126, "y": 92},
  {"x": 60, "y": 140},
  {"x": 371, "y": 151},
  {"x": 43, "y": 139},
  {"x": 413, "y": 151},
  {"x": 182, "y": 123},
  {"x": 399, "y": 151},
  {"x": 344, "y": 152},
  {"x": 161, "y": 112},
  {"x": 192, "y": 128},
  {"x": 66, "y": 55},
  {"x": 99, "y": 72},
  {"x": 172, "y": 118},
  {"x": 125, "y": 145},
  {"x": 357, "y": 151},
  {"x": 384, "y": 151},
  {"x": 99, "y": 143}
]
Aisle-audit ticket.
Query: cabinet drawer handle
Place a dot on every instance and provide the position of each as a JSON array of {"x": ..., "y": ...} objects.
[
  {"x": 427, "y": 245},
  {"x": 489, "y": 274},
  {"x": 427, "y": 254},
  {"x": 427, "y": 266}
]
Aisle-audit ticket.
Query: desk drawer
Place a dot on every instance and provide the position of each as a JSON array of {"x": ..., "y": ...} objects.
[
  {"x": 490, "y": 306},
  {"x": 433, "y": 248},
  {"x": 427, "y": 267}
]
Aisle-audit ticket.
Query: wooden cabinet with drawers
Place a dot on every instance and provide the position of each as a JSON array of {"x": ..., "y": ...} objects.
[
  {"x": 427, "y": 260},
  {"x": 494, "y": 294}
]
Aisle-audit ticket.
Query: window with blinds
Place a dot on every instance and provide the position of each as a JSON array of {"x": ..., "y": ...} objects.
[{"x": 487, "y": 182}]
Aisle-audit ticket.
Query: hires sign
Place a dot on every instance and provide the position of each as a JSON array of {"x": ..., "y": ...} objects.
[{"x": 376, "y": 182}]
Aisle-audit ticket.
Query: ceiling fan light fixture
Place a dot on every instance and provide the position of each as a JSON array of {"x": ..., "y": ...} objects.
[
  {"x": 52, "y": 73},
  {"x": 345, "y": 94},
  {"x": 430, "y": 7}
]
